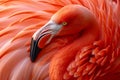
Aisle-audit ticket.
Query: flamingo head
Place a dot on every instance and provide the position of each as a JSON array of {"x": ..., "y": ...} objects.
[{"x": 69, "y": 20}]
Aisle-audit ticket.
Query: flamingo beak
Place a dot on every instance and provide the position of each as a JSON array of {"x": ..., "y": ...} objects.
[{"x": 42, "y": 37}]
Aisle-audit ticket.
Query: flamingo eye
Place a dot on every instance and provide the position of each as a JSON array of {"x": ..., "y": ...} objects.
[{"x": 64, "y": 23}]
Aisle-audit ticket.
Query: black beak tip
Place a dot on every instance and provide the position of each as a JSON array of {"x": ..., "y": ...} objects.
[
  {"x": 32, "y": 59},
  {"x": 34, "y": 50}
]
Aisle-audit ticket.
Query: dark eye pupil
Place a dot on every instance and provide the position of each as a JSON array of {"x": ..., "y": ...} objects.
[{"x": 64, "y": 23}]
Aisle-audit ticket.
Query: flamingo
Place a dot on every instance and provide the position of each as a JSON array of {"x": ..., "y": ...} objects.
[{"x": 59, "y": 40}]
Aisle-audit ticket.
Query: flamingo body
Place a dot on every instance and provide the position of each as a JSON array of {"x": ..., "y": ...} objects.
[{"x": 86, "y": 45}]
